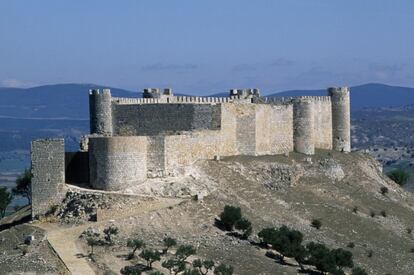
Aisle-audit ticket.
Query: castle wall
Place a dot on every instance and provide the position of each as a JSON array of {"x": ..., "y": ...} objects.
[
  {"x": 341, "y": 119},
  {"x": 100, "y": 112},
  {"x": 156, "y": 156},
  {"x": 274, "y": 129},
  {"x": 322, "y": 122},
  {"x": 117, "y": 162},
  {"x": 153, "y": 119},
  {"x": 303, "y": 126},
  {"x": 48, "y": 170}
]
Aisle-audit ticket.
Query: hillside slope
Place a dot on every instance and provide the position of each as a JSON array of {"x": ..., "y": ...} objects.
[{"x": 271, "y": 191}]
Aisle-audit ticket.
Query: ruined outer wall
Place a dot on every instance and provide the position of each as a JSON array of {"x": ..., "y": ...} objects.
[
  {"x": 48, "y": 169},
  {"x": 117, "y": 162},
  {"x": 153, "y": 119},
  {"x": 322, "y": 122}
]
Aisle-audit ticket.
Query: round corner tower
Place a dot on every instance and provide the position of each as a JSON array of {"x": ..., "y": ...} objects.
[
  {"x": 341, "y": 119},
  {"x": 100, "y": 111},
  {"x": 303, "y": 126}
]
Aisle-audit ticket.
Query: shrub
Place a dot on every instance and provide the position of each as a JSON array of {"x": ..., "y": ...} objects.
[
  {"x": 185, "y": 251},
  {"x": 372, "y": 213},
  {"x": 321, "y": 257},
  {"x": 168, "y": 243},
  {"x": 191, "y": 272},
  {"x": 109, "y": 232},
  {"x": 358, "y": 271},
  {"x": 384, "y": 190},
  {"x": 287, "y": 242},
  {"x": 351, "y": 245},
  {"x": 383, "y": 213},
  {"x": 23, "y": 185},
  {"x": 223, "y": 269},
  {"x": 131, "y": 270},
  {"x": 92, "y": 242},
  {"x": 150, "y": 256},
  {"x": 412, "y": 250},
  {"x": 370, "y": 253},
  {"x": 343, "y": 258},
  {"x": 203, "y": 266},
  {"x": 409, "y": 230},
  {"x": 230, "y": 216},
  {"x": 135, "y": 244},
  {"x": 316, "y": 223},
  {"x": 5, "y": 199},
  {"x": 399, "y": 176},
  {"x": 245, "y": 226},
  {"x": 355, "y": 209}
]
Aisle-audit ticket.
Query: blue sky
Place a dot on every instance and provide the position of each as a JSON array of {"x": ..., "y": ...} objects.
[{"x": 203, "y": 47}]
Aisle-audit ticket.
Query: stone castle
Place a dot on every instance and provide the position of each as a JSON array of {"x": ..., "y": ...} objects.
[{"x": 160, "y": 135}]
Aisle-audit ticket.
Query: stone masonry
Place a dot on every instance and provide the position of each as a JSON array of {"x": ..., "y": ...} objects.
[{"x": 160, "y": 135}]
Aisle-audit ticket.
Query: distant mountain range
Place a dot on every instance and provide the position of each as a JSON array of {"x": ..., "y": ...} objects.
[{"x": 70, "y": 101}]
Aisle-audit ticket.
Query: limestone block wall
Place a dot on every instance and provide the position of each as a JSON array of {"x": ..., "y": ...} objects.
[
  {"x": 303, "y": 126},
  {"x": 117, "y": 162},
  {"x": 322, "y": 122},
  {"x": 274, "y": 128},
  {"x": 341, "y": 124},
  {"x": 48, "y": 169},
  {"x": 153, "y": 119}
]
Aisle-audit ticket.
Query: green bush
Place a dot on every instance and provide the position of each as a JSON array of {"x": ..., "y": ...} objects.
[
  {"x": 230, "y": 216},
  {"x": 384, "y": 190},
  {"x": 203, "y": 266},
  {"x": 399, "y": 176},
  {"x": 223, "y": 269},
  {"x": 135, "y": 244},
  {"x": 131, "y": 270},
  {"x": 168, "y": 243},
  {"x": 185, "y": 251},
  {"x": 245, "y": 226},
  {"x": 316, "y": 223},
  {"x": 358, "y": 271},
  {"x": 150, "y": 256},
  {"x": 287, "y": 242},
  {"x": 351, "y": 245},
  {"x": 5, "y": 199},
  {"x": 383, "y": 213},
  {"x": 24, "y": 186},
  {"x": 109, "y": 232}
]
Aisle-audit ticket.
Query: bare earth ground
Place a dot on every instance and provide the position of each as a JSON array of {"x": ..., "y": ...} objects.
[{"x": 271, "y": 191}]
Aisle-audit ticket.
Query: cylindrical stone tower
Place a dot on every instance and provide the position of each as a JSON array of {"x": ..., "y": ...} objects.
[
  {"x": 303, "y": 121},
  {"x": 341, "y": 119},
  {"x": 100, "y": 111}
]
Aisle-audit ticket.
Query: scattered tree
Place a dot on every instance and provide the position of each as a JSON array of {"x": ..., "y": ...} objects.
[
  {"x": 191, "y": 272},
  {"x": 370, "y": 253},
  {"x": 343, "y": 258},
  {"x": 230, "y": 216},
  {"x": 399, "y": 176},
  {"x": 92, "y": 242},
  {"x": 24, "y": 185},
  {"x": 372, "y": 213},
  {"x": 351, "y": 245},
  {"x": 131, "y": 270},
  {"x": 185, "y": 251},
  {"x": 384, "y": 190},
  {"x": 168, "y": 264},
  {"x": 409, "y": 230},
  {"x": 156, "y": 273},
  {"x": 135, "y": 244},
  {"x": 316, "y": 223},
  {"x": 150, "y": 256},
  {"x": 168, "y": 243},
  {"x": 321, "y": 257},
  {"x": 383, "y": 213},
  {"x": 109, "y": 232},
  {"x": 245, "y": 226},
  {"x": 287, "y": 242},
  {"x": 203, "y": 266},
  {"x": 355, "y": 209},
  {"x": 5, "y": 199},
  {"x": 223, "y": 269},
  {"x": 358, "y": 271}
]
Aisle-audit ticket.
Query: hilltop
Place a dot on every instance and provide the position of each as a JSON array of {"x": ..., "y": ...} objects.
[{"x": 271, "y": 191}]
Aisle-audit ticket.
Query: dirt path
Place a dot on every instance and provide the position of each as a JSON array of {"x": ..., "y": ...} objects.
[{"x": 63, "y": 240}]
